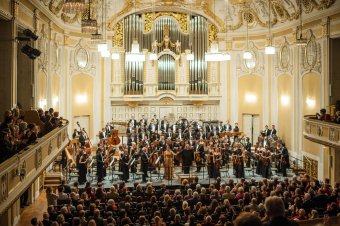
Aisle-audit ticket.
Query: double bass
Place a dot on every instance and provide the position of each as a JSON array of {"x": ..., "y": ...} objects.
[{"x": 114, "y": 138}]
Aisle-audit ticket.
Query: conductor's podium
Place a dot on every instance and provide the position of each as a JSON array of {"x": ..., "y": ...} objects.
[{"x": 189, "y": 177}]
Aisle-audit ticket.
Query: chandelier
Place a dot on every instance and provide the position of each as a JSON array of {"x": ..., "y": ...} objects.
[
  {"x": 247, "y": 54},
  {"x": 269, "y": 49},
  {"x": 73, "y": 6},
  {"x": 214, "y": 54},
  {"x": 88, "y": 25}
]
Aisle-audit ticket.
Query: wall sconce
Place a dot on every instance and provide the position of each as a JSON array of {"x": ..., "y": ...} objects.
[
  {"x": 81, "y": 99},
  {"x": 284, "y": 100},
  {"x": 250, "y": 98},
  {"x": 42, "y": 103},
  {"x": 310, "y": 102},
  {"x": 55, "y": 100}
]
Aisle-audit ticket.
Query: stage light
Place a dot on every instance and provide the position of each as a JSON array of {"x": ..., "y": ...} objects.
[{"x": 30, "y": 34}]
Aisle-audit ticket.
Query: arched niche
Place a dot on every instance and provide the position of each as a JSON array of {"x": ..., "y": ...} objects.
[
  {"x": 311, "y": 103},
  {"x": 55, "y": 92},
  {"x": 285, "y": 103},
  {"x": 82, "y": 101},
  {"x": 250, "y": 96},
  {"x": 42, "y": 89}
]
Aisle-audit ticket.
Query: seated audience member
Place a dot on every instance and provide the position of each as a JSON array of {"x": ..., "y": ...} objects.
[
  {"x": 247, "y": 219},
  {"x": 336, "y": 118},
  {"x": 275, "y": 212}
]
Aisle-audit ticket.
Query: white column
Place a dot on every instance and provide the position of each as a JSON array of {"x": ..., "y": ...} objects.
[
  {"x": 223, "y": 91},
  {"x": 233, "y": 117},
  {"x": 107, "y": 90}
]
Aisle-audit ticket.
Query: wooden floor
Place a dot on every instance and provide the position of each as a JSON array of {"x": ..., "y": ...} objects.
[{"x": 34, "y": 210}]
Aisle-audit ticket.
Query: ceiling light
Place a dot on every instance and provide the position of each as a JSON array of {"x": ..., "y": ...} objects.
[
  {"x": 269, "y": 50},
  {"x": 73, "y": 6},
  {"x": 88, "y": 25},
  {"x": 115, "y": 56},
  {"x": 247, "y": 55},
  {"x": 102, "y": 47},
  {"x": 105, "y": 53}
]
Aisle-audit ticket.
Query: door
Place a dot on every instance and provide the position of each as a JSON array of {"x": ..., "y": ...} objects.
[
  {"x": 251, "y": 126},
  {"x": 84, "y": 122}
]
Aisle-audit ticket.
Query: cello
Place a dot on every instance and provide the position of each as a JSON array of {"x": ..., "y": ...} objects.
[{"x": 114, "y": 138}]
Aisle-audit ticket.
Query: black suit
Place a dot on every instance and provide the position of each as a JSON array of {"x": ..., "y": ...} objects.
[
  {"x": 280, "y": 221},
  {"x": 199, "y": 135},
  {"x": 100, "y": 167},
  {"x": 273, "y": 132},
  {"x": 187, "y": 158},
  {"x": 267, "y": 132},
  {"x": 144, "y": 165},
  {"x": 143, "y": 123},
  {"x": 134, "y": 121}
]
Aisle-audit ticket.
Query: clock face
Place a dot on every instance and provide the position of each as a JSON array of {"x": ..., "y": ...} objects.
[
  {"x": 310, "y": 52},
  {"x": 250, "y": 63},
  {"x": 82, "y": 58},
  {"x": 284, "y": 56}
]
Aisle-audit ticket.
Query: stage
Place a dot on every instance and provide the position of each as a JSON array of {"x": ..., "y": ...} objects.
[{"x": 157, "y": 178}]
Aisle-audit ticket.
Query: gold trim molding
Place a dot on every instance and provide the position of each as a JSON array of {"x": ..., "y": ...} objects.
[{"x": 149, "y": 19}]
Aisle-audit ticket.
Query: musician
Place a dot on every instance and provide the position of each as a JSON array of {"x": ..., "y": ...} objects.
[
  {"x": 124, "y": 163},
  {"x": 144, "y": 164},
  {"x": 210, "y": 161},
  {"x": 247, "y": 146},
  {"x": 199, "y": 154},
  {"x": 133, "y": 122},
  {"x": 266, "y": 169},
  {"x": 169, "y": 134},
  {"x": 180, "y": 135},
  {"x": 75, "y": 133},
  {"x": 236, "y": 129},
  {"x": 227, "y": 126},
  {"x": 130, "y": 129},
  {"x": 177, "y": 147},
  {"x": 187, "y": 158},
  {"x": 174, "y": 127},
  {"x": 265, "y": 142},
  {"x": 142, "y": 134},
  {"x": 208, "y": 129},
  {"x": 168, "y": 163},
  {"x": 143, "y": 122},
  {"x": 273, "y": 131},
  {"x": 162, "y": 143},
  {"x": 284, "y": 161},
  {"x": 239, "y": 168},
  {"x": 200, "y": 135},
  {"x": 220, "y": 127},
  {"x": 214, "y": 132},
  {"x": 132, "y": 138},
  {"x": 108, "y": 129},
  {"x": 217, "y": 162},
  {"x": 190, "y": 133},
  {"x": 82, "y": 167},
  {"x": 155, "y": 119},
  {"x": 100, "y": 165},
  {"x": 133, "y": 157},
  {"x": 266, "y": 131},
  {"x": 164, "y": 125},
  {"x": 82, "y": 138},
  {"x": 101, "y": 134},
  {"x": 153, "y": 127}
]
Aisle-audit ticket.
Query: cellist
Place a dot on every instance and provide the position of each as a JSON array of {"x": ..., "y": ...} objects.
[{"x": 199, "y": 154}]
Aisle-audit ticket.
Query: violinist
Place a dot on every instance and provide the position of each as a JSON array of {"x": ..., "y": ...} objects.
[
  {"x": 169, "y": 134},
  {"x": 82, "y": 167},
  {"x": 284, "y": 161},
  {"x": 132, "y": 138},
  {"x": 190, "y": 133},
  {"x": 82, "y": 138},
  {"x": 143, "y": 122},
  {"x": 133, "y": 122},
  {"x": 130, "y": 129},
  {"x": 210, "y": 161},
  {"x": 239, "y": 168},
  {"x": 247, "y": 146},
  {"x": 199, "y": 154},
  {"x": 214, "y": 132},
  {"x": 180, "y": 135},
  {"x": 142, "y": 134},
  {"x": 164, "y": 125},
  {"x": 144, "y": 163},
  {"x": 177, "y": 147},
  {"x": 266, "y": 163},
  {"x": 200, "y": 134},
  {"x": 217, "y": 162},
  {"x": 133, "y": 158},
  {"x": 162, "y": 143}
]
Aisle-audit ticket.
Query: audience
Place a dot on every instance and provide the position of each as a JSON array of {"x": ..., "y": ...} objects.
[
  {"x": 247, "y": 202},
  {"x": 16, "y": 134}
]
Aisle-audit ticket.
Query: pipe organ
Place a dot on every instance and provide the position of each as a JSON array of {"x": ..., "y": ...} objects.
[{"x": 171, "y": 37}]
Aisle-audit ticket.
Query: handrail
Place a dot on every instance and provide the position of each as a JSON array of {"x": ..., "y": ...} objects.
[{"x": 21, "y": 170}]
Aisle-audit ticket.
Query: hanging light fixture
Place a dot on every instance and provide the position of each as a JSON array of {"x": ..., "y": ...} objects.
[
  {"x": 247, "y": 54},
  {"x": 300, "y": 41},
  {"x": 134, "y": 54},
  {"x": 190, "y": 55},
  {"x": 88, "y": 25},
  {"x": 269, "y": 49},
  {"x": 214, "y": 54},
  {"x": 99, "y": 39},
  {"x": 73, "y": 6}
]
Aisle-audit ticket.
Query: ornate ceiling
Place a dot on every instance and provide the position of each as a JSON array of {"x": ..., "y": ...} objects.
[{"x": 227, "y": 15}]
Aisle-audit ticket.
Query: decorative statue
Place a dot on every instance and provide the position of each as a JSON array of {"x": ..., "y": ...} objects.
[{"x": 166, "y": 43}]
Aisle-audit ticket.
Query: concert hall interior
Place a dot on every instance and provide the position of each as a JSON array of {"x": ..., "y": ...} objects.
[{"x": 174, "y": 112}]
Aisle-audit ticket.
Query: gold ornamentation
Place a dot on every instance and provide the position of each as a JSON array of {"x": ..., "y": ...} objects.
[
  {"x": 15, "y": 8},
  {"x": 149, "y": 19},
  {"x": 212, "y": 33},
  {"x": 70, "y": 20},
  {"x": 55, "y": 9},
  {"x": 311, "y": 166},
  {"x": 128, "y": 6},
  {"x": 117, "y": 38}
]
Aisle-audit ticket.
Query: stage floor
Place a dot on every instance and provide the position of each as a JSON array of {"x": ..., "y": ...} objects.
[{"x": 157, "y": 179}]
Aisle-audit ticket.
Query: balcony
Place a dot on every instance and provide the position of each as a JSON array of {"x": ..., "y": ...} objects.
[
  {"x": 21, "y": 170},
  {"x": 322, "y": 132}
]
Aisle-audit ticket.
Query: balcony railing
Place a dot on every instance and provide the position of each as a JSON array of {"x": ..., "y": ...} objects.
[
  {"x": 22, "y": 169},
  {"x": 322, "y": 132}
]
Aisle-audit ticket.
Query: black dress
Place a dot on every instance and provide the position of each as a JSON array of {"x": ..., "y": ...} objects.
[
  {"x": 82, "y": 169},
  {"x": 125, "y": 167}
]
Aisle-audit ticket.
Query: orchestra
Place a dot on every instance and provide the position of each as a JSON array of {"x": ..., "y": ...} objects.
[{"x": 161, "y": 144}]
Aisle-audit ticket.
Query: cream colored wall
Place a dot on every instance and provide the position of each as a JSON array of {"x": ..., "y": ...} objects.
[
  {"x": 250, "y": 85},
  {"x": 42, "y": 88},
  {"x": 311, "y": 90},
  {"x": 55, "y": 92},
  {"x": 285, "y": 101},
  {"x": 82, "y": 85}
]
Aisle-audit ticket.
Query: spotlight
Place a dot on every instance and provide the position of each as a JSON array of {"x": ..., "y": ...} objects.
[
  {"x": 28, "y": 33},
  {"x": 32, "y": 53}
]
